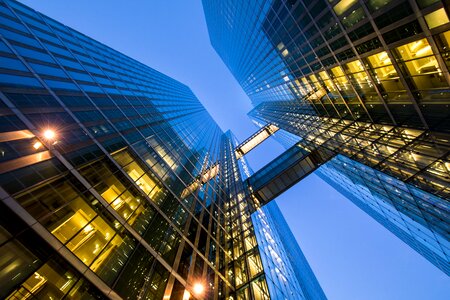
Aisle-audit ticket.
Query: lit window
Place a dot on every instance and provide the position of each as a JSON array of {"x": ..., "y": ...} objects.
[
  {"x": 422, "y": 64},
  {"x": 343, "y": 6},
  {"x": 337, "y": 71},
  {"x": 436, "y": 18},
  {"x": 416, "y": 49},
  {"x": 355, "y": 66},
  {"x": 379, "y": 60}
]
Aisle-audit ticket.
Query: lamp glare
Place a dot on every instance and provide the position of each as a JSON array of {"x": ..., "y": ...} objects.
[
  {"x": 198, "y": 288},
  {"x": 49, "y": 134}
]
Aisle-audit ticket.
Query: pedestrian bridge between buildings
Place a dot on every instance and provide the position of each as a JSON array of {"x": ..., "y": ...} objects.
[
  {"x": 284, "y": 171},
  {"x": 277, "y": 176}
]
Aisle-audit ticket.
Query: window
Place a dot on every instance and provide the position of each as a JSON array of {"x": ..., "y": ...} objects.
[
  {"x": 402, "y": 32},
  {"x": 420, "y": 63},
  {"x": 393, "y": 15},
  {"x": 443, "y": 42},
  {"x": 361, "y": 80},
  {"x": 436, "y": 18},
  {"x": 368, "y": 46},
  {"x": 375, "y": 5},
  {"x": 353, "y": 18},
  {"x": 384, "y": 72},
  {"x": 343, "y": 6}
]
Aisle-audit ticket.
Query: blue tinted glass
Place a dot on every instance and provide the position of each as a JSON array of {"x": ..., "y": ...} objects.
[
  {"x": 19, "y": 80},
  {"x": 61, "y": 85},
  {"x": 34, "y": 54},
  {"x": 19, "y": 38},
  {"x": 10, "y": 23},
  {"x": 4, "y": 48},
  {"x": 11, "y": 63},
  {"x": 47, "y": 70},
  {"x": 90, "y": 88},
  {"x": 80, "y": 76},
  {"x": 69, "y": 63}
]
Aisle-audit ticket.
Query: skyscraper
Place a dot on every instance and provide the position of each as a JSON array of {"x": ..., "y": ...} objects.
[
  {"x": 359, "y": 90},
  {"x": 116, "y": 182}
]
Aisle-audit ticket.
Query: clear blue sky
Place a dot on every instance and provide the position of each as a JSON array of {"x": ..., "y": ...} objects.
[{"x": 352, "y": 256}]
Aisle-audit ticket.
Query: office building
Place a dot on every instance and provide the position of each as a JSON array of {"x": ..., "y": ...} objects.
[
  {"x": 117, "y": 184},
  {"x": 363, "y": 87}
]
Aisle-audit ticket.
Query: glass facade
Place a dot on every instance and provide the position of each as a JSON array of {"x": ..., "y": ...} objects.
[
  {"x": 115, "y": 181},
  {"x": 288, "y": 273},
  {"x": 395, "y": 205},
  {"x": 365, "y": 80}
]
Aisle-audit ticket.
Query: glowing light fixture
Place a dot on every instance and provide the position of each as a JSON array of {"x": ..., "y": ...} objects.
[
  {"x": 186, "y": 295},
  {"x": 198, "y": 288},
  {"x": 49, "y": 134},
  {"x": 37, "y": 145},
  {"x": 423, "y": 51}
]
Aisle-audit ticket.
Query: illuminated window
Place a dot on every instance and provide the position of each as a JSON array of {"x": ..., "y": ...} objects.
[
  {"x": 377, "y": 4},
  {"x": 91, "y": 240},
  {"x": 260, "y": 289},
  {"x": 355, "y": 66},
  {"x": 48, "y": 282},
  {"x": 361, "y": 80},
  {"x": 319, "y": 91},
  {"x": 343, "y": 6},
  {"x": 443, "y": 42},
  {"x": 414, "y": 50},
  {"x": 384, "y": 72},
  {"x": 300, "y": 88},
  {"x": 306, "y": 84},
  {"x": 78, "y": 217},
  {"x": 329, "y": 84},
  {"x": 342, "y": 83},
  {"x": 436, "y": 18},
  {"x": 421, "y": 64},
  {"x": 254, "y": 264},
  {"x": 337, "y": 71}
]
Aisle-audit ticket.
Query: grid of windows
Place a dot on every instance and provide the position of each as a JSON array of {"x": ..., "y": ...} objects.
[
  {"x": 122, "y": 177},
  {"x": 368, "y": 80}
]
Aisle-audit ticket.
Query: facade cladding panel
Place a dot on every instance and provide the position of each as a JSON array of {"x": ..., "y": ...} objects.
[
  {"x": 367, "y": 80},
  {"x": 115, "y": 181}
]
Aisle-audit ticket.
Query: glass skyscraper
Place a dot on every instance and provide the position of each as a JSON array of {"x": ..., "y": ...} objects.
[
  {"x": 115, "y": 182},
  {"x": 359, "y": 90}
]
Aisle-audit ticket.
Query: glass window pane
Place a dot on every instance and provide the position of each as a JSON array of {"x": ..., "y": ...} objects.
[
  {"x": 415, "y": 50},
  {"x": 436, "y": 18}
]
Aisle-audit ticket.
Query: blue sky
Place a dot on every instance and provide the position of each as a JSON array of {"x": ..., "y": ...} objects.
[{"x": 352, "y": 256}]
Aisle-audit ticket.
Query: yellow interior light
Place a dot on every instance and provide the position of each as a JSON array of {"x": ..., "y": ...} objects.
[{"x": 37, "y": 145}]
